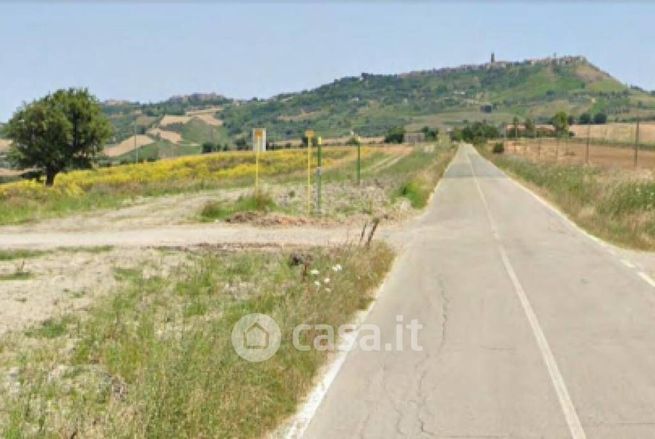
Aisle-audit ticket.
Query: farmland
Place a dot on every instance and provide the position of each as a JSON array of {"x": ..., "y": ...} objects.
[{"x": 281, "y": 172}]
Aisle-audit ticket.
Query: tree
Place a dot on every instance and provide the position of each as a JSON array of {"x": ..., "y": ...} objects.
[
  {"x": 530, "y": 128},
  {"x": 600, "y": 118},
  {"x": 395, "y": 135},
  {"x": 430, "y": 133},
  {"x": 561, "y": 123},
  {"x": 241, "y": 144},
  {"x": 63, "y": 130},
  {"x": 571, "y": 119},
  {"x": 585, "y": 119}
]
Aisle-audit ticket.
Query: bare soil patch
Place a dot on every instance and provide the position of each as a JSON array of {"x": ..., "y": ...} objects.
[
  {"x": 172, "y": 120},
  {"x": 128, "y": 145},
  {"x": 575, "y": 153},
  {"x": 171, "y": 136},
  {"x": 63, "y": 281}
]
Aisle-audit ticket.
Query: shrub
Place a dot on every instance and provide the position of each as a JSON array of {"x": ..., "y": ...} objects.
[
  {"x": 416, "y": 193},
  {"x": 498, "y": 148},
  {"x": 395, "y": 135}
]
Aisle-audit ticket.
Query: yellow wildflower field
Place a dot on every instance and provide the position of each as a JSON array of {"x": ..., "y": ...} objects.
[{"x": 206, "y": 168}]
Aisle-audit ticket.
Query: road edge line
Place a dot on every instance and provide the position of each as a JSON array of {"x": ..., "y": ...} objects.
[{"x": 566, "y": 403}]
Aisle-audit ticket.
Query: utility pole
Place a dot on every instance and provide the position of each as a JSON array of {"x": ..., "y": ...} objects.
[
  {"x": 557, "y": 150},
  {"x": 538, "y": 148},
  {"x": 586, "y": 153},
  {"x": 637, "y": 145}
]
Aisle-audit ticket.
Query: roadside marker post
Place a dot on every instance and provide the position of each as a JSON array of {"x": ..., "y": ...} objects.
[
  {"x": 359, "y": 161},
  {"x": 319, "y": 170},
  {"x": 258, "y": 144},
  {"x": 136, "y": 149},
  {"x": 309, "y": 134},
  {"x": 586, "y": 152},
  {"x": 637, "y": 145}
]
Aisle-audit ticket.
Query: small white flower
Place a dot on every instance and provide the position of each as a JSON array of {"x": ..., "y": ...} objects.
[
  {"x": 314, "y": 272},
  {"x": 317, "y": 283},
  {"x": 326, "y": 280},
  {"x": 337, "y": 267},
  {"x": 329, "y": 290}
]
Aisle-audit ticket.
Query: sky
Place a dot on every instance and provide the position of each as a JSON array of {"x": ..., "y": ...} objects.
[{"x": 148, "y": 51}]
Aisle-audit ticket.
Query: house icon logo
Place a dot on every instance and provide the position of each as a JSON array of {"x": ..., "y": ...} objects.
[{"x": 256, "y": 337}]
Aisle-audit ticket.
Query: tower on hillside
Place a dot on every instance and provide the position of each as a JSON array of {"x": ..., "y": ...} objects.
[{"x": 493, "y": 57}]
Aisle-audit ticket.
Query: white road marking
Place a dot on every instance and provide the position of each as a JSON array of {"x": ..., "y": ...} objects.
[
  {"x": 572, "y": 420},
  {"x": 628, "y": 263},
  {"x": 647, "y": 278}
]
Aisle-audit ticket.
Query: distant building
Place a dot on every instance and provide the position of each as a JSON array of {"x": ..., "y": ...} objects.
[
  {"x": 493, "y": 57},
  {"x": 414, "y": 137}
]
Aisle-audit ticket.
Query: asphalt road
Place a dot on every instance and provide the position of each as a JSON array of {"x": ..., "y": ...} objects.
[{"x": 531, "y": 328}]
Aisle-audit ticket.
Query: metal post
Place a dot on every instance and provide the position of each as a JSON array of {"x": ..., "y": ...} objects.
[
  {"x": 359, "y": 161},
  {"x": 538, "y": 148},
  {"x": 557, "y": 150},
  {"x": 136, "y": 149},
  {"x": 637, "y": 145},
  {"x": 309, "y": 134},
  {"x": 318, "y": 175},
  {"x": 257, "y": 169}
]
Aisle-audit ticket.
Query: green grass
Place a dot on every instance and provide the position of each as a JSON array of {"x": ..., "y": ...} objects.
[
  {"x": 10, "y": 255},
  {"x": 19, "y": 274},
  {"x": 610, "y": 204},
  {"x": 154, "y": 359},
  {"x": 254, "y": 202}
]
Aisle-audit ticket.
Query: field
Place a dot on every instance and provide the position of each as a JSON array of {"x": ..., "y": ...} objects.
[
  {"x": 617, "y": 132},
  {"x": 127, "y": 145},
  {"x": 283, "y": 172},
  {"x": 574, "y": 152}
]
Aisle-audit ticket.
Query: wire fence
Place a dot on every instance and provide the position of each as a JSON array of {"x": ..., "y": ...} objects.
[{"x": 584, "y": 151}]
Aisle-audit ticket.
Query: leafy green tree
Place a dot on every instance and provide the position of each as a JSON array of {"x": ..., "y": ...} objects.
[
  {"x": 241, "y": 144},
  {"x": 395, "y": 135},
  {"x": 430, "y": 133},
  {"x": 584, "y": 119},
  {"x": 561, "y": 123},
  {"x": 63, "y": 130},
  {"x": 530, "y": 128},
  {"x": 600, "y": 118},
  {"x": 477, "y": 133}
]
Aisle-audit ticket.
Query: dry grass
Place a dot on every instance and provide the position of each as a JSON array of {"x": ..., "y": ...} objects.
[
  {"x": 616, "y": 205},
  {"x": 617, "y": 132},
  {"x": 171, "y": 136},
  {"x": 573, "y": 152},
  {"x": 155, "y": 358},
  {"x": 172, "y": 120}
]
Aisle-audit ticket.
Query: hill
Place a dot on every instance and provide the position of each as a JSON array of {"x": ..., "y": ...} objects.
[{"x": 370, "y": 104}]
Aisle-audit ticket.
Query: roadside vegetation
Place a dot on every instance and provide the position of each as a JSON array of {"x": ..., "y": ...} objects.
[
  {"x": 618, "y": 206},
  {"x": 393, "y": 184},
  {"x": 154, "y": 359}
]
